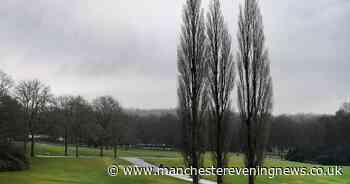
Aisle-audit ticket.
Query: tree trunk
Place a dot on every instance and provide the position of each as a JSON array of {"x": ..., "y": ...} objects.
[
  {"x": 219, "y": 153},
  {"x": 251, "y": 179},
  {"x": 219, "y": 178},
  {"x": 195, "y": 145},
  {"x": 195, "y": 177},
  {"x": 26, "y": 132},
  {"x": 32, "y": 146},
  {"x": 25, "y": 141},
  {"x": 101, "y": 151},
  {"x": 65, "y": 142},
  {"x": 32, "y": 141},
  {"x": 115, "y": 152},
  {"x": 195, "y": 164},
  {"x": 76, "y": 149},
  {"x": 251, "y": 153}
]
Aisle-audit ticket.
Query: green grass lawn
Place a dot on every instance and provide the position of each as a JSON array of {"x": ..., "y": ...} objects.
[
  {"x": 82, "y": 170},
  {"x": 92, "y": 170},
  {"x": 46, "y": 149},
  {"x": 237, "y": 161},
  {"x": 76, "y": 171}
]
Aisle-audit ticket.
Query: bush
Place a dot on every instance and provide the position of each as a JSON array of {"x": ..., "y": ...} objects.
[{"x": 12, "y": 158}]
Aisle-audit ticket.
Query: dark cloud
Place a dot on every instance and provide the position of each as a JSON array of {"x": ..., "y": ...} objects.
[{"x": 128, "y": 49}]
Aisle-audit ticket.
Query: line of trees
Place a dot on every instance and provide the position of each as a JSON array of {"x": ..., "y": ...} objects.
[
  {"x": 29, "y": 110},
  {"x": 287, "y": 132},
  {"x": 206, "y": 80},
  {"x": 322, "y": 139}
]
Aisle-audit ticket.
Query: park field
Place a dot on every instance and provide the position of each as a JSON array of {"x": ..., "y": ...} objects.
[
  {"x": 91, "y": 168},
  {"x": 237, "y": 161},
  {"x": 87, "y": 170},
  {"x": 46, "y": 149}
]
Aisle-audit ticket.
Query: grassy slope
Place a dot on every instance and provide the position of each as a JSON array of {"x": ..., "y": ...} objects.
[
  {"x": 237, "y": 161},
  {"x": 77, "y": 171},
  {"x": 82, "y": 170}
]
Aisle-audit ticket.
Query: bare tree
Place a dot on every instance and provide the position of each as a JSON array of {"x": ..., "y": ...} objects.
[
  {"x": 254, "y": 84},
  {"x": 192, "y": 83},
  {"x": 221, "y": 81},
  {"x": 64, "y": 106},
  {"x": 81, "y": 114},
  {"x": 6, "y": 83},
  {"x": 116, "y": 129},
  {"x": 33, "y": 96},
  {"x": 106, "y": 108}
]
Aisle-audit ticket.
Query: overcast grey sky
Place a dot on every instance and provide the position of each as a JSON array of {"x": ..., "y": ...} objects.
[{"x": 127, "y": 48}]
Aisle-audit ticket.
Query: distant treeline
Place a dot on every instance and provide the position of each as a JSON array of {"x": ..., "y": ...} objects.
[{"x": 287, "y": 131}]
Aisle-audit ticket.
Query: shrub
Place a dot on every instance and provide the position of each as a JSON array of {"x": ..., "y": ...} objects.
[{"x": 12, "y": 158}]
